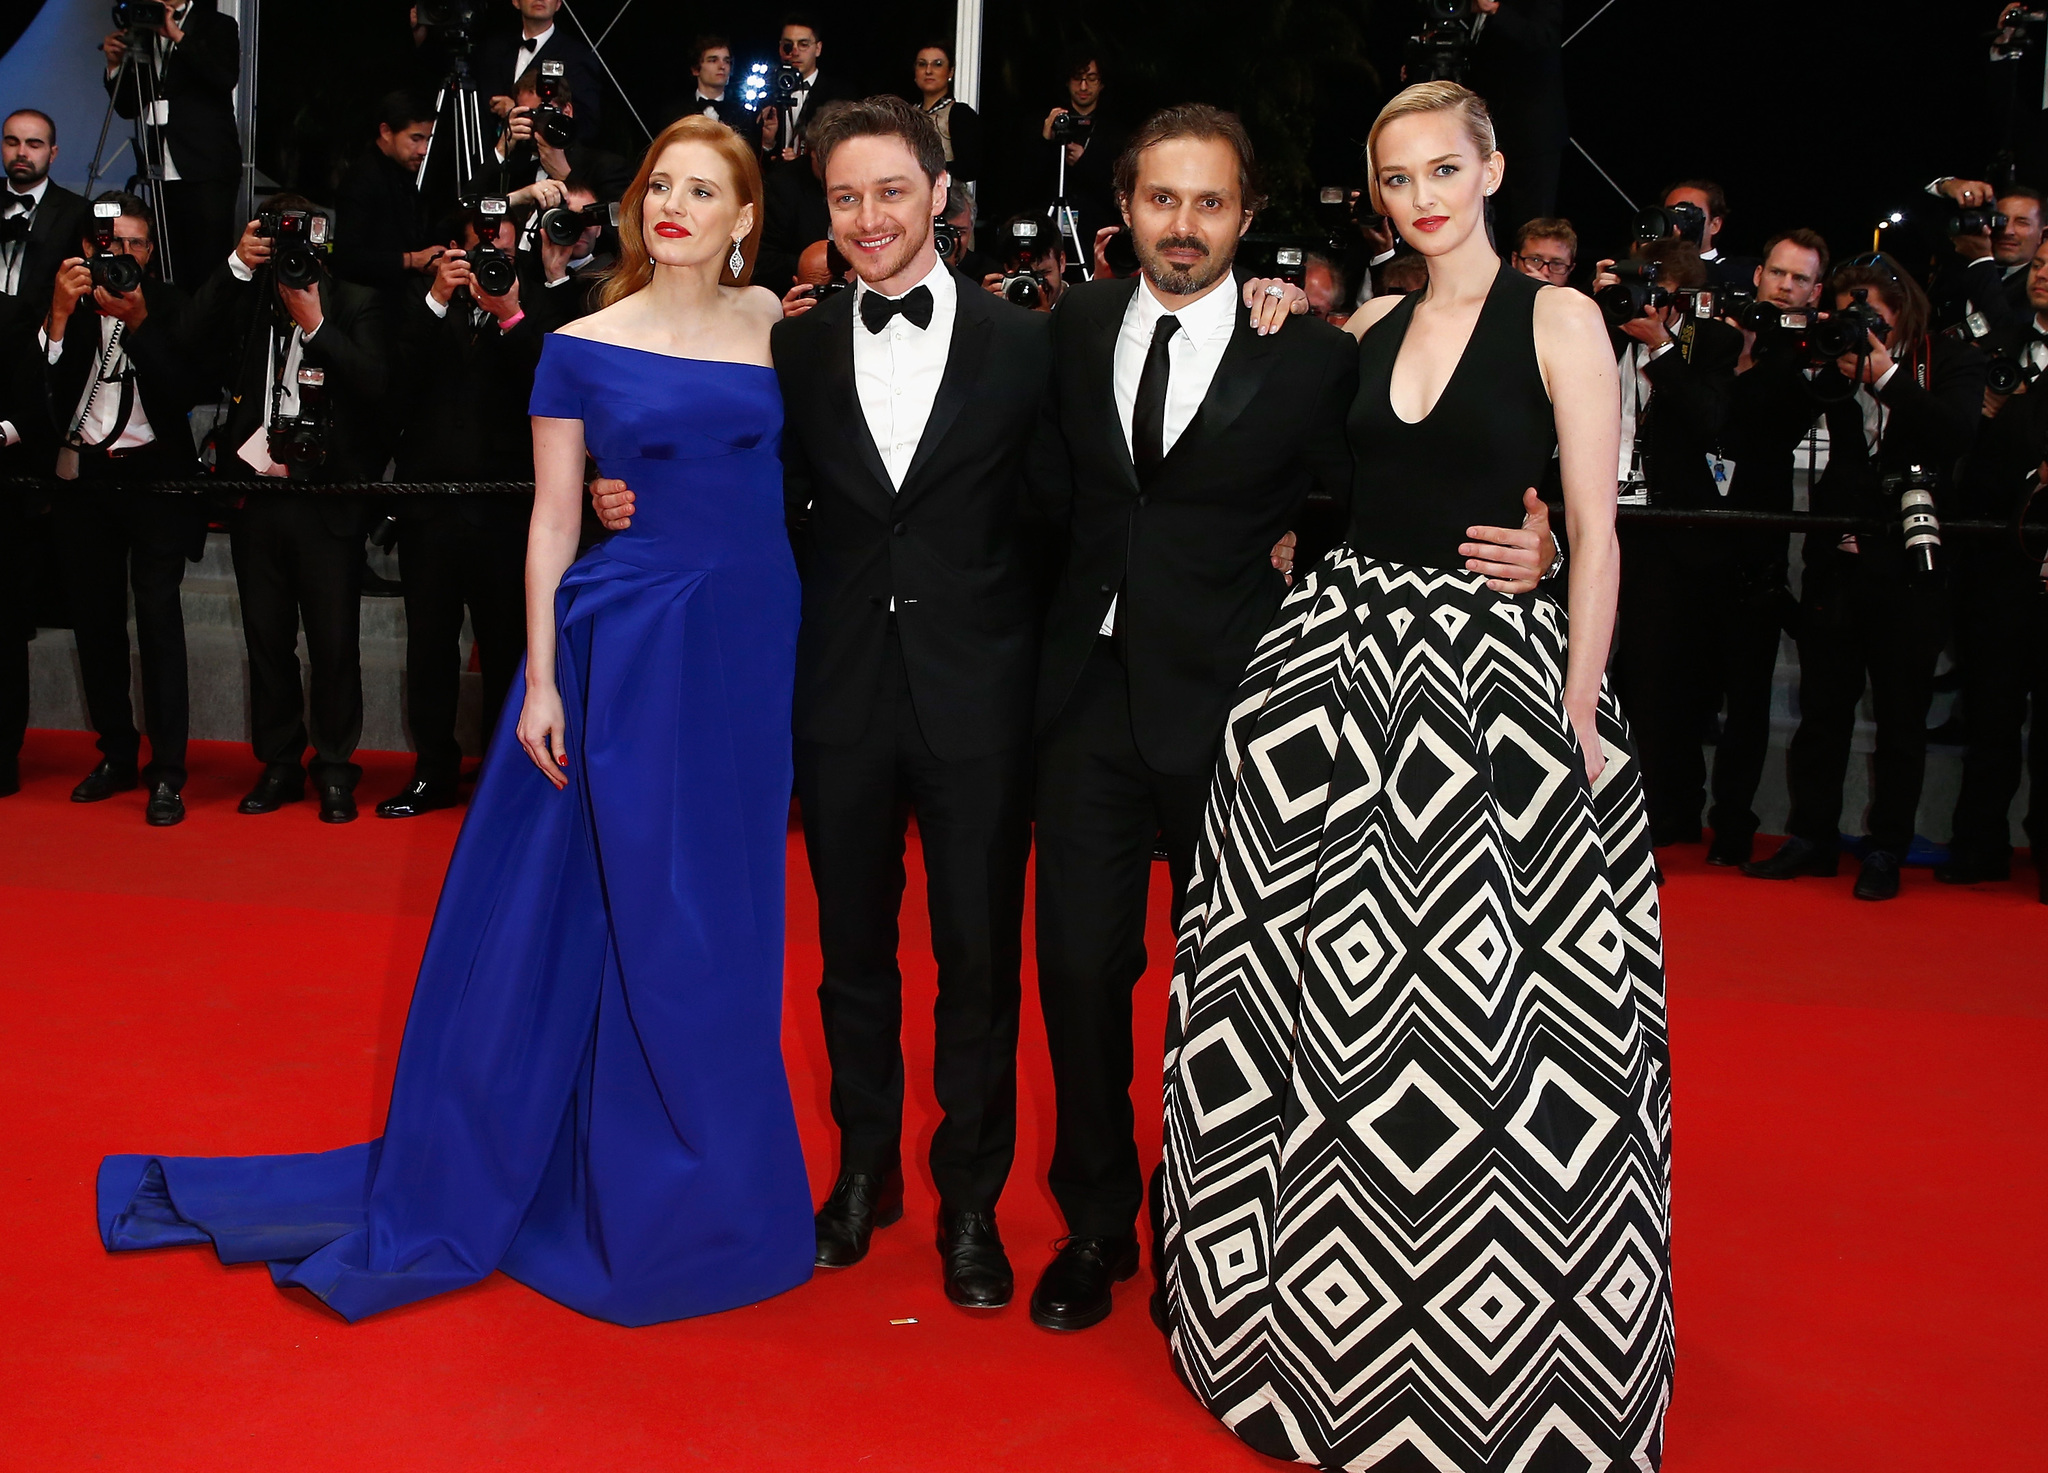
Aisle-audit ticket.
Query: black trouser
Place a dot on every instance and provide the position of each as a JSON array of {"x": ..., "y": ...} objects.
[
  {"x": 973, "y": 821},
  {"x": 1101, "y": 810},
  {"x": 2002, "y": 644},
  {"x": 200, "y": 227},
  {"x": 113, "y": 540},
  {"x": 1860, "y": 622},
  {"x": 1693, "y": 632},
  {"x": 17, "y": 624},
  {"x": 453, "y": 558},
  {"x": 290, "y": 564}
]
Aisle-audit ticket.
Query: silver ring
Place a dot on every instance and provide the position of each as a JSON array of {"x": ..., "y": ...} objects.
[{"x": 1276, "y": 291}]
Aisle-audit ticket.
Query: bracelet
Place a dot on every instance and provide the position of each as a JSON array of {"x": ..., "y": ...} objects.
[{"x": 506, "y": 324}]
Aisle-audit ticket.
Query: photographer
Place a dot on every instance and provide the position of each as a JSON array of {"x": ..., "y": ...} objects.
[
  {"x": 468, "y": 357},
  {"x": 1322, "y": 281},
  {"x": 533, "y": 166},
  {"x": 1985, "y": 275},
  {"x": 1676, "y": 372},
  {"x": 1518, "y": 67},
  {"x": 1711, "y": 201},
  {"x": 971, "y": 262},
  {"x": 2001, "y": 610},
  {"x": 382, "y": 233},
  {"x": 503, "y": 61},
  {"x": 298, "y": 555},
  {"x": 194, "y": 57},
  {"x": 712, "y": 95},
  {"x": 1033, "y": 272},
  {"x": 1547, "y": 250},
  {"x": 794, "y": 216},
  {"x": 559, "y": 279},
  {"x": 1770, "y": 415},
  {"x": 121, "y": 379},
  {"x": 1091, "y": 141},
  {"x": 959, "y": 125},
  {"x": 40, "y": 220},
  {"x": 785, "y": 124},
  {"x": 1898, "y": 401}
]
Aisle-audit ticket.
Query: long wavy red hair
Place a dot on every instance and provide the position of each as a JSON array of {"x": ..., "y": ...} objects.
[{"x": 635, "y": 268}]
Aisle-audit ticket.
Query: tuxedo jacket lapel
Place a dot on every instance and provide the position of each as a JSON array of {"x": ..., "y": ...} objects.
[
  {"x": 842, "y": 401},
  {"x": 1247, "y": 359},
  {"x": 1096, "y": 365},
  {"x": 964, "y": 357}
]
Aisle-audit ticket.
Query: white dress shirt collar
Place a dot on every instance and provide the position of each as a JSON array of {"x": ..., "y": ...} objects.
[
  {"x": 14, "y": 196},
  {"x": 897, "y": 371},
  {"x": 1206, "y": 317},
  {"x": 939, "y": 279}
]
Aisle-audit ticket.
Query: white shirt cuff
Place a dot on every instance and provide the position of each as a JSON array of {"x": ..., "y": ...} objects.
[
  {"x": 240, "y": 267},
  {"x": 439, "y": 309},
  {"x": 1660, "y": 350},
  {"x": 54, "y": 349},
  {"x": 9, "y": 435},
  {"x": 1384, "y": 256},
  {"x": 1883, "y": 379}
]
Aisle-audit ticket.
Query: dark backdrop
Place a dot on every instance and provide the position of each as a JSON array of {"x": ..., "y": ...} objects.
[{"x": 1808, "y": 112}]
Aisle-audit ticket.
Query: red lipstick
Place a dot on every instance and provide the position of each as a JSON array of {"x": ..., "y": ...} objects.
[
  {"x": 1432, "y": 222},
  {"x": 671, "y": 232}
]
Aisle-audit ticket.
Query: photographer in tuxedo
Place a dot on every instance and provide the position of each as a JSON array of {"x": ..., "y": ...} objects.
[
  {"x": 196, "y": 57},
  {"x": 1985, "y": 274},
  {"x": 465, "y": 371},
  {"x": 121, "y": 379},
  {"x": 1676, "y": 372},
  {"x": 298, "y": 556},
  {"x": 503, "y": 61},
  {"x": 1186, "y": 434}
]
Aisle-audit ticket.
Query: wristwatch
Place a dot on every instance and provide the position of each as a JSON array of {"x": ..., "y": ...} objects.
[{"x": 1556, "y": 565}]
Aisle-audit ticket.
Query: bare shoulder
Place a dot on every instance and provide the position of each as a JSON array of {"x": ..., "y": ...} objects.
[
  {"x": 602, "y": 325},
  {"x": 1370, "y": 313},
  {"x": 1567, "y": 319},
  {"x": 757, "y": 302}
]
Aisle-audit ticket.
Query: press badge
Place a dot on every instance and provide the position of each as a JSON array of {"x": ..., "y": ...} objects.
[{"x": 1722, "y": 469}]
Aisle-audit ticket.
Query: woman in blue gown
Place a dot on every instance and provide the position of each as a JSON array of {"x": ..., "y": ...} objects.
[{"x": 590, "y": 1094}]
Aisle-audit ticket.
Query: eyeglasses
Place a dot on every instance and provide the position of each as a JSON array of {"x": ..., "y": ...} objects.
[{"x": 1548, "y": 265}]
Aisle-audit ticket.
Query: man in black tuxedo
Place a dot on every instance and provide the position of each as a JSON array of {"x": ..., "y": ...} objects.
[
  {"x": 781, "y": 125},
  {"x": 910, "y": 405},
  {"x": 25, "y": 447},
  {"x": 122, "y": 377},
  {"x": 1677, "y": 372},
  {"x": 41, "y": 222},
  {"x": 534, "y": 174},
  {"x": 298, "y": 556},
  {"x": 1983, "y": 280},
  {"x": 504, "y": 58},
  {"x": 194, "y": 62},
  {"x": 712, "y": 94},
  {"x": 383, "y": 234},
  {"x": 794, "y": 214},
  {"x": 466, "y": 373}
]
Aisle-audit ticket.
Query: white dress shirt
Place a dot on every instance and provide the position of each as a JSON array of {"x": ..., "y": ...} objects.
[
  {"x": 1636, "y": 390},
  {"x": 896, "y": 372},
  {"x": 529, "y": 47},
  {"x": 13, "y": 253},
  {"x": 160, "y": 110},
  {"x": 794, "y": 111},
  {"x": 1192, "y": 356},
  {"x": 255, "y": 451},
  {"x": 93, "y": 418}
]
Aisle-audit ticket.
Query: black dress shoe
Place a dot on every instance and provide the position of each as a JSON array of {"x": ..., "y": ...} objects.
[
  {"x": 417, "y": 797},
  {"x": 337, "y": 804},
  {"x": 1731, "y": 849},
  {"x": 977, "y": 1270},
  {"x": 1073, "y": 1292},
  {"x": 104, "y": 781},
  {"x": 1795, "y": 857},
  {"x": 1879, "y": 879},
  {"x": 277, "y": 787},
  {"x": 165, "y": 809},
  {"x": 10, "y": 778},
  {"x": 1965, "y": 868},
  {"x": 859, "y": 1204}
]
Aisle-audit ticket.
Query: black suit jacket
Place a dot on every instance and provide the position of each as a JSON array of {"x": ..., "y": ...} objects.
[
  {"x": 492, "y": 68},
  {"x": 1683, "y": 418},
  {"x": 169, "y": 376},
  {"x": 1188, "y": 547},
  {"x": 198, "y": 80},
  {"x": 1982, "y": 286},
  {"x": 56, "y": 234},
  {"x": 465, "y": 391},
  {"x": 948, "y": 546},
  {"x": 379, "y": 215},
  {"x": 351, "y": 346},
  {"x": 794, "y": 217}
]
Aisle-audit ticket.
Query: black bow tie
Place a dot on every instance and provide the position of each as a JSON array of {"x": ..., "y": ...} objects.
[{"x": 915, "y": 305}]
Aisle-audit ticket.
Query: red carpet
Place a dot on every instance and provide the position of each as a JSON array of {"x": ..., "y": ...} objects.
[{"x": 1861, "y": 1145}]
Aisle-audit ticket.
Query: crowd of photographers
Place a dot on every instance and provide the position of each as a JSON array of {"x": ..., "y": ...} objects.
[{"x": 387, "y": 337}]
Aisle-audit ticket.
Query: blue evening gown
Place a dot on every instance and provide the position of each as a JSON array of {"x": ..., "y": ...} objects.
[{"x": 590, "y": 1094}]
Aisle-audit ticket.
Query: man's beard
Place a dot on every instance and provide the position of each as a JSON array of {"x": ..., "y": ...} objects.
[
  {"x": 890, "y": 263},
  {"x": 24, "y": 175},
  {"x": 1178, "y": 281}
]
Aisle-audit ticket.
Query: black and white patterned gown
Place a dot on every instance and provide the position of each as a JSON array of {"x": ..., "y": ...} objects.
[{"x": 1416, "y": 1087}]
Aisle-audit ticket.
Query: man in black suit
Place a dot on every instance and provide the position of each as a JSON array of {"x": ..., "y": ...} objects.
[
  {"x": 467, "y": 360},
  {"x": 1724, "y": 271},
  {"x": 25, "y": 447},
  {"x": 534, "y": 174},
  {"x": 41, "y": 222},
  {"x": 781, "y": 125},
  {"x": 1983, "y": 281},
  {"x": 1914, "y": 399},
  {"x": 298, "y": 556},
  {"x": 793, "y": 208},
  {"x": 1183, "y": 445},
  {"x": 192, "y": 65},
  {"x": 503, "y": 59},
  {"x": 712, "y": 94},
  {"x": 122, "y": 377},
  {"x": 383, "y": 234},
  {"x": 1676, "y": 375},
  {"x": 910, "y": 405}
]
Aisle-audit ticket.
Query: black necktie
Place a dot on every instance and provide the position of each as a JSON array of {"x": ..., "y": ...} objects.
[
  {"x": 915, "y": 305},
  {"x": 1148, "y": 411}
]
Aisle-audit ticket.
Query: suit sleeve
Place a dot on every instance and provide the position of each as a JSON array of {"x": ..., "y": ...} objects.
[
  {"x": 160, "y": 349},
  {"x": 1327, "y": 451},
  {"x": 350, "y": 345},
  {"x": 369, "y": 247},
  {"x": 213, "y": 52},
  {"x": 1696, "y": 393},
  {"x": 1935, "y": 425},
  {"x": 965, "y": 125}
]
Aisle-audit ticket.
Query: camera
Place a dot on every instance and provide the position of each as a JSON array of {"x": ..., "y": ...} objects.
[
  {"x": 447, "y": 15},
  {"x": 562, "y": 224},
  {"x": 144, "y": 17},
  {"x": 1634, "y": 292},
  {"x": 1021, "y": 283},
  {"x": 1741, "y": 307},
  {"x": 1442, "y": 50},
  {"x": 2005, "y": 371},
  {"x": 1914, "y": 488},
  {"x": 1682, "y": 221},
  {"x": 493, "y": 269},
  {"x": 1071, "y": 127},
  {"x": 2021, "y": 32},
  {"x": 783, "y": 82},
  {"x": 551, "y": 125},
  {"x": 1856, "y": 328},
  {"x": 297, "y": 237},
  {"x": 117, "y": 273},
  {"x": 301, "y": 439},
  {"x": 1982, "y": 220},
  {"x": 945, "y": 238}
]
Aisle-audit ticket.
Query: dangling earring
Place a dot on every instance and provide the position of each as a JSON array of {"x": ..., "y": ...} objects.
[{"x": 737, "y": 261}]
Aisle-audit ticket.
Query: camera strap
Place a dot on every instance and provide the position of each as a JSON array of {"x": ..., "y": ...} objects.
[{"x": 113, "y": 367}]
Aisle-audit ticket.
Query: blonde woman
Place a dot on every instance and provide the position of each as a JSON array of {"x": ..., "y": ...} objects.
[
  {"x": 590, "y": 1095},
  {"x": 1416, "y": 1175}
]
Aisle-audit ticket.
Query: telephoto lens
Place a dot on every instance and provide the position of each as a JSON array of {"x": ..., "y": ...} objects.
[
  {"x": 1634, "y": 291},
  {"x": 1856, "y": 328},
  {"x": 1917, "y": 519}
]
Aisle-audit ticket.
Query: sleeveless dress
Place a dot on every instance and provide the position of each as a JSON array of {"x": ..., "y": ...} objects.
[
  {"x": 590, "y": 1094},
  {"x": 1417, "y": 1098}
]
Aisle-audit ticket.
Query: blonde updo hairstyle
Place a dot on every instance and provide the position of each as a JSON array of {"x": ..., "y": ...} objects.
[{"x": 1429, "y": 97}]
